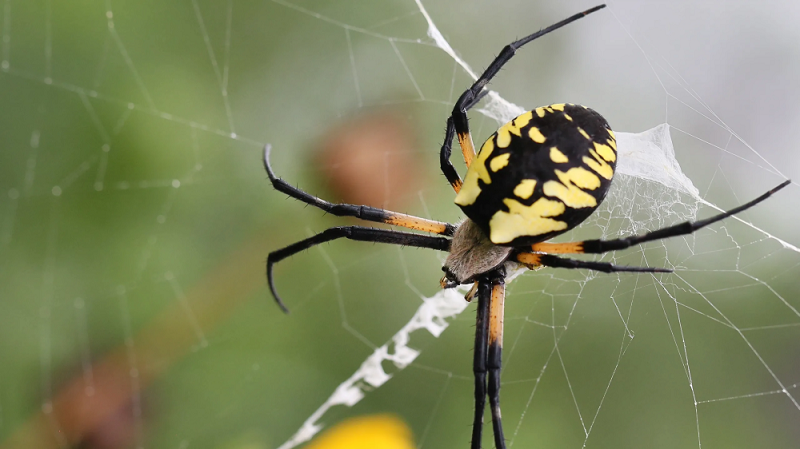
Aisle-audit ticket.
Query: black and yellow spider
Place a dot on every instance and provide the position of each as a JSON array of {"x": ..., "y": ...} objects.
[{"x": 538, "y": 176}]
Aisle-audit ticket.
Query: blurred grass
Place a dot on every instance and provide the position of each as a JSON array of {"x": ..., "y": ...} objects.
[{"x": 64, "y": 257}]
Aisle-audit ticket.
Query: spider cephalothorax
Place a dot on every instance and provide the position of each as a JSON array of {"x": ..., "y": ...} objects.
[
  {"x": 538, "y": 176},
  {"x": 471, "y": 255}
]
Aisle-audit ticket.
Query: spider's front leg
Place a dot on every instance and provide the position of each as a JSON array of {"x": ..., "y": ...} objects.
[
  {"x": 457, "y": 123},
  {"x": 444, "y": 154}
]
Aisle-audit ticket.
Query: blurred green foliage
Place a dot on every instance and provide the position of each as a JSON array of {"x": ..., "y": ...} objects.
[{"x": 125, "y": 166}]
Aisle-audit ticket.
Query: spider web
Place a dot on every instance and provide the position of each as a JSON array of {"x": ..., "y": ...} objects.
[{"x": 137, "y": 217}]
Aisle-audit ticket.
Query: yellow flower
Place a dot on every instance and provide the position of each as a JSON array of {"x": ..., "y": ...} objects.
[{"x": 367, "y": 432}]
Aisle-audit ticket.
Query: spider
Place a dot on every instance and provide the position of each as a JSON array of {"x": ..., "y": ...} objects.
[{"x": 540, "y": 175}]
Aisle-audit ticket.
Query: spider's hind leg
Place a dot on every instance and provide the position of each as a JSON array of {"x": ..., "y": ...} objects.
[{"x": 685, "y": 228}]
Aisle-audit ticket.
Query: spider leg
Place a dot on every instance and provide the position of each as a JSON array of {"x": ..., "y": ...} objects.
[
  {"x": 444, "y": 154},
  {"x": 479, "y": 360},
  {"x": 351, "y": 210},
  {"x": 688, "y": 227},
  {"x": 458, "y": 124},
  {"x": 488, "y": 355},
  {"x": 495, "y": 360},
  {"x": 534, "y": 261},
  {"x": 353, "y": 233}
]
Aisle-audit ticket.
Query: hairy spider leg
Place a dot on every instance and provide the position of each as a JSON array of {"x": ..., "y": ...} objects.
[
  {"x": 449, "y": 171},
  {"x": 534, "y": 261},
  {"x": 351, "y": 210},
  {"x": 458, "y": 124},
  {"x": 353, "y": 233},
  {"x": 687, "y": 227},
  {"x": 488, "y": 355},
  {"x": 479, "y": 360},
  {"x": 495, "y": 357}
]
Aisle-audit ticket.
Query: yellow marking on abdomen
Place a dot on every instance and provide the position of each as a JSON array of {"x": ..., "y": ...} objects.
[
  {"x": 580, "y": 177},
  {"x": 525, "y": 188},
  {"x": 571, "y": 196},
  {"x": 558, "y": 106},
  {"x": 470, "y": 190},
  {"x": 512, "y": 127},
  {"x": 522, "y": 220},
  {"x": 557, "y": 156},
  {"x": 597, "y": 164},
  {"x": 540, "y": 112},
  {"x": 570, "y": 189},
  {"x": 605, "y": 152},
  {"x": 499, "y": 162},
  {"x": 612, "y": 140},
  {"x": 536, "y": 135},
  {"x": 583, "y": 133},
  {"x": 567, "y": 116}
]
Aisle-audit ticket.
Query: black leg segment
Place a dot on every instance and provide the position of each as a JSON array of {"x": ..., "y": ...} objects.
[
  {"x": 688, "y": 227},
  {"x": 353, "y": 233},
  {"x": 475, "y": 93},
  {"x": 351, "y": 210},
  {"x": 534, "y": 261},
  {"x": 479, "y": 360},
  {"x": 560, "y": 262},
  {"x": 488, "y": 355}
]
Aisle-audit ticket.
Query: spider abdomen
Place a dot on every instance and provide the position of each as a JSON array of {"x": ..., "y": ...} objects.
[{"x": 540, "y": 175}]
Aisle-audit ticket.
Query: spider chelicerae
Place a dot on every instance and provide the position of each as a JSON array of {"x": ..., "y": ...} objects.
[{"x": 538, "y": 176}]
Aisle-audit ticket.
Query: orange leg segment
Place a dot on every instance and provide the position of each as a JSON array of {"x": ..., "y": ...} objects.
[
  {"x": 558, "y": 248},
  {"x": 417, "y": 223}
]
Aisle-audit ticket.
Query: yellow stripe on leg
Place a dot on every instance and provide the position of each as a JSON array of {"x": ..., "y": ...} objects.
[
  {"x": 558, "y": 248},
  {"x": 496, "y": 315},
  {"x": 417, "y": 223},
  {"x": 467, "y": 148},
  {"x": 531, "y": 261}
]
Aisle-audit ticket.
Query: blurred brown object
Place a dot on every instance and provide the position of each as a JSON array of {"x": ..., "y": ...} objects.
[
  {"x": 104, "y": 416},
  {"x": 370, "y": 159}
]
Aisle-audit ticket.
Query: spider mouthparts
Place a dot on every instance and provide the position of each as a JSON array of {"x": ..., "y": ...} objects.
[{"x": 471, "y": 293}]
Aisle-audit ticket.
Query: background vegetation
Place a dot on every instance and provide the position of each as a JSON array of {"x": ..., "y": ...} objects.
[{"x": 135, "y": 218}]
